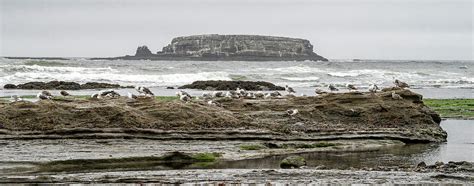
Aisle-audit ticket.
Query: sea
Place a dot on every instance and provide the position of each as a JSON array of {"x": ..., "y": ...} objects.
[{"x": 433, "y": 78}]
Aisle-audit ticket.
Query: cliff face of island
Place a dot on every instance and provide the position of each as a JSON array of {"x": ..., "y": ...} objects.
[{"x": 231, "y": 47}]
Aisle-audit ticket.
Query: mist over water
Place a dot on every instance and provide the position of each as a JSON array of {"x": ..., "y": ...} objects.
[{"x": 419, "y": 74}]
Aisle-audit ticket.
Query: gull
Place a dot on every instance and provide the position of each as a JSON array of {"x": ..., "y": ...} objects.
[
  {"x": 289, "y": 90},
  {"x": 213, "y": 103},
  {"x": 184, "y": 97},
  {"x": 181, "y": 92},
  {"x": 240, "y": 91},
  {"x": 396, "y": 96},
  {"x": 401, "y": 84},
  {"x": 44, "y": 95},
  {"x": 373, "y": 88},
  {"x": 144, "y": 90},
  {"x": 259, "y": 94},
  {"x": 64, "y": 93},
  {"x": 217, "y": 94},
  {"x": 206, "y": 95},
  {"x": 16, "y": 98},
  {"x": 319, "y": 91},
  {"x": 109, "y": 93},
  {"x": 292, "y": 112},
  {"x": 332, "y": 87},
  {"x": 132, "y": 96},
  {"x": 95, "y": 96},
  {"x": 351, "y": 87}
]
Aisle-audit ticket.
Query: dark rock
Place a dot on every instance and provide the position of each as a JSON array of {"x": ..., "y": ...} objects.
[
  {"x": 63, "y": 85},
  {"x": 292, "y": 162},
  {"x": 439, "y": 163},
  {"x": 95, "y": 85},
  {"x": 169, "y": 87},
  {"x": 421, "y": 165},
  {"x": 143, "y": 51},
  {"x": 9, "y": 86},
  {"x": 231, "y": 85}
]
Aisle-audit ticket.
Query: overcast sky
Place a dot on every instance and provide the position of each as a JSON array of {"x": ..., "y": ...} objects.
[{"x": 339, "y": 29}]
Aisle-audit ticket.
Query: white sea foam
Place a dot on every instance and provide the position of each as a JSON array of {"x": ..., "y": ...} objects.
[{"x": 310, "y": 78}]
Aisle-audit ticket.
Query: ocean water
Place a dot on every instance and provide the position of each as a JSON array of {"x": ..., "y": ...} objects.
[{"x": 304, "y": 76}]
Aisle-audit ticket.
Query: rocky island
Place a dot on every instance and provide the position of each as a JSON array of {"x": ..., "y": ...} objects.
[{"x": 214, "y": 47}]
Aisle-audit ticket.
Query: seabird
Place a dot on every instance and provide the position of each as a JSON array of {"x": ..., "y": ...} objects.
[
  {"x": 289, "y": 90},
  {"x": 292, "y": 112},
  {"x": 332, "y": 87},
  {"x": 144, "y": 90},
  {"x": 401, "y": 84},
  {"x": 46, "y": 93},
  {"x": 267, "y": 96},
  {"x": 275, "y": 94},
  {"x": 396, "y": 96},
  {"x": 319, "y": 91},
  {"x": 184, "y": 97},
  {"x": 181, "y": 92},
  {"x": 16, "y": 98},
  {"x": 217, "y": 94},
  {"x": 43, "y": 95},
  {"x": 240, "y": 91},
  {"x": 351, "y": 87},
  {"x": 213, "y": 103},
  {"x": 373, "y": 88},
  {"x": 232, "y": 94},
  {"x": 132, "y": 96},
  {"x": 259, "y": 94},
  {"x": 95, "y": 96},
  {"x": 109, "y": 93},
  {"x": 64, "y": 93},
  {"x": 206, "y": 95}
]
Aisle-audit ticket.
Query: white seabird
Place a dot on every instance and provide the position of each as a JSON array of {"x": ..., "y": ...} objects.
[
  {"x": 206, "y": 95},
  {"x": 292, "y": 112},
  {"x": 44, "y": 95},
  {"x": 64, "y": 93},
  {"x": 332, "y": 87},
  {"x": 185, "y": 98},
  {"x": 396, "y": 96},
  {"x": 319, "y": 91},
  {"x": 132, "y": 96},
  {"x": 144, "y": 90},
  {"x": 351, "y": 87},
  {"x": 213, "y": 103},
  {"x": 181, "y": 92},
  {"x": 16, "y": 98},
  {"x": 401, "y": 84},
  {"x": 289, "y": 90},
  {"x": 217, "y": 94},
  {"x": 259, "y": 94},
  {"x": 109, "y": 93},
  {"x": 240, "y": 91},
  {"x": 95, "y": 96},
  {"x": 373, "y": 88}
]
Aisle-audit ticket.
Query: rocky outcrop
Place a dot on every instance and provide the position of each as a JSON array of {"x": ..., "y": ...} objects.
[
  {"x": 214, "y": 47},
  {"x": 241, "y": 46},
  {"x": 331, "y": 116},
  {"x": 62, "y": 85},
  {"x": 143, "y": 51},
  {"x": 232, "y": 85}
]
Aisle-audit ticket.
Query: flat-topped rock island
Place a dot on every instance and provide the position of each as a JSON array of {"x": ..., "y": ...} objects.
[{"x": 215, "y": 47}]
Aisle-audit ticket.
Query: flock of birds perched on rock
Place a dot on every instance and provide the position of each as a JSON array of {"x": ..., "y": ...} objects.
[{"x": 238, "y": 93}]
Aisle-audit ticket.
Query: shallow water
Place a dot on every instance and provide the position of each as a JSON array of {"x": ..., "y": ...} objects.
[
  {"x": 20, "y": 153},
  {"x": 459, "y": 147}
]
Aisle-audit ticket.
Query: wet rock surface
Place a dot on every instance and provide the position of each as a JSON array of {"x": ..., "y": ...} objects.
[
  {"x": 292, "y": 162},
  {"x": 232, "y": 85},
  {"x": 215, "y": 47},
  {"x": 63, "y": 85},
  {"x": 329, "y": 116}
]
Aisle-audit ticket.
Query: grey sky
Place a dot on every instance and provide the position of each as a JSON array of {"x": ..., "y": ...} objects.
[{"x": 375, "y": 29}]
